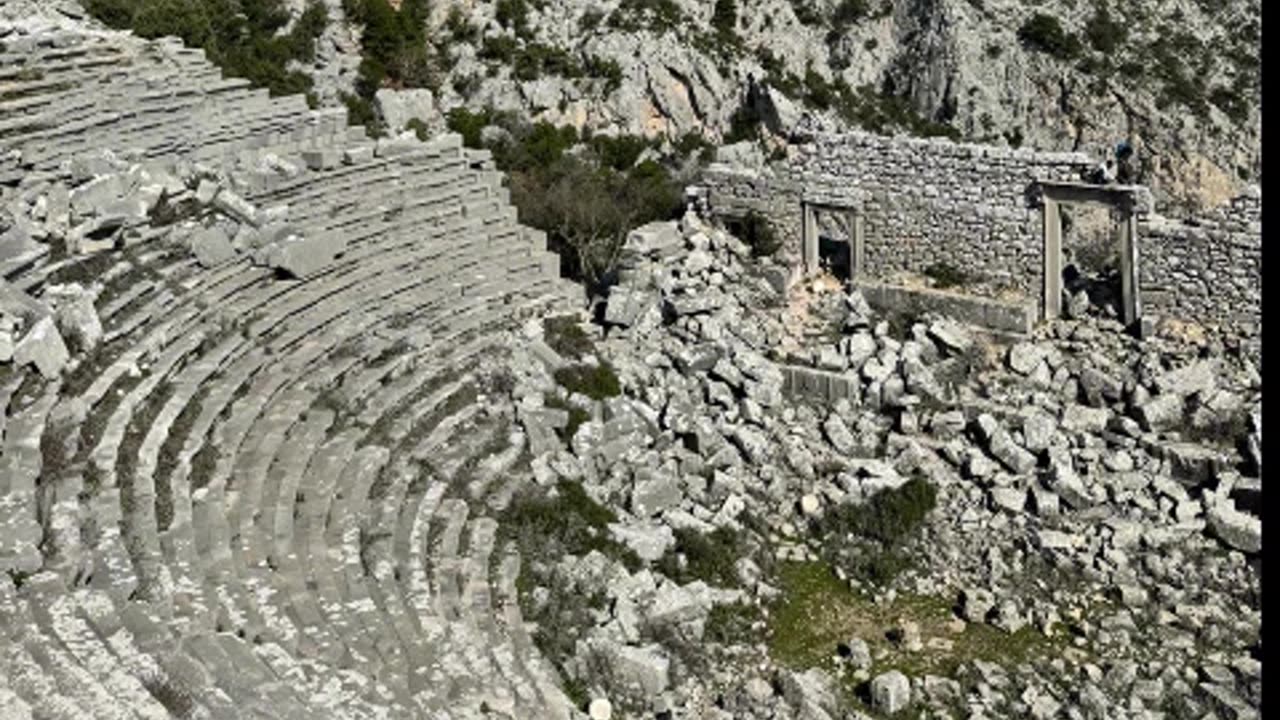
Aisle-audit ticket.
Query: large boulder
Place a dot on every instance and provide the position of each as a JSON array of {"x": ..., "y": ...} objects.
[
  {"x": 299, "y": 257},
  {"x": 642, "y": 672},
  {"x": 398, "y": 107}
]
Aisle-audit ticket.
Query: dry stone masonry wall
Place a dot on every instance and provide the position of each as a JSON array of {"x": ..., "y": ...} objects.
[{"x": 975, "y": 208}]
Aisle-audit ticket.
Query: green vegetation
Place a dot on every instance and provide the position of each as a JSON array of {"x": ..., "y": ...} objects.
[
  {"x": 595, "y": 381},
  {"x": 565, "y": 335},
  {"x": 890, "y": 516},
  {"x": 242, "y": 37},
  {"x": 658, "y": 16},
  {"x": 867, "y": 539},
  {"x": 1104, "y": 33},
  {"x": 395, "y": 53},
  {"x": 732, "y": 624},
  {"x": 550, "y": 525},
  {"x": 577, "y": 416},
  {"x": 878, "y": 110},
  {"x": 945, "y": 275},
  {"x": 1043, "y": 33},
  {"x": 817, "y": 612},
  {"x": 757, "y": 232},
  {"x": 709, "y": 558},
  {"x": 545, "y": 526}
]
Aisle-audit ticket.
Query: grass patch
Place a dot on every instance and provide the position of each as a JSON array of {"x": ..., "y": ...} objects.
[
  {"x": 817, "y": 612},
  {"x": 595, "y": 381}
]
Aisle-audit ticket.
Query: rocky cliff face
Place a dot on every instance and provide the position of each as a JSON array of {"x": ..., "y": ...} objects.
[{"x": 1179, "y": 79}]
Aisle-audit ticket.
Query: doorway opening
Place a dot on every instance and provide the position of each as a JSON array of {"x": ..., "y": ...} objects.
[
  {"x": 833, "y": 241},
  {"x": 1090, "y": 252}
]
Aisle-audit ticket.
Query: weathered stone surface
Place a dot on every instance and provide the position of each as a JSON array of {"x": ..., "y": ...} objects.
[
  {"x": 42, "y": 347},
  {"x": 211, "y": 246},
  {"x": 1239, "y": 530},
  {"x": 300, "y": 257},
  {"x": 75, "y": 316},
  {"x": 890, "y": 692}
]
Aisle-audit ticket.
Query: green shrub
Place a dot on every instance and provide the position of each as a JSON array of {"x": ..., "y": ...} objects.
[
  {"x": 732, "y": 624},
  {"x": 946, "y": 275},
  {"x": 806, "y": 13},
  {"x": 724, "y": 17},
  {"x": 757, "y": 232},
  {"x": 849, "y": 12},
  {"x": 459, "y": 27},
  {"x": 577, "y": 416},
  {"x": 418, "y": 127},
  {"x": 1104, "y": 33},
  {"x": 568, "y": 522},
  {"x": 242, "y": 37},
  {"x": 888, "y": 517},
  {"x": 658, "y": 16},
  {"x": 1043, "y": 33},
  {"x": 709, "y": 558},
  {"x": 621, "y": 152},
  {"x": 512, "y": 14},
  {"x": 595, "y": 381},
  {"x": 607, "y": 69},
  {"x": 468, "y": 124},
  {"x": 564, "y": 335}
]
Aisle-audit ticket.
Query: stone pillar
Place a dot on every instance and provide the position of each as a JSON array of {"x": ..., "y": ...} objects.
[
  {"x": 1127, "y": 242},
  {"x": 859, "y": 257},
  {"x": 809, "y": 233},
  {"x": 1052, "y": 260}
]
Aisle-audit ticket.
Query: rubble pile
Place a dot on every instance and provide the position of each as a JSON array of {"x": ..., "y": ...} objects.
[{"x": 1094, "y": 491}]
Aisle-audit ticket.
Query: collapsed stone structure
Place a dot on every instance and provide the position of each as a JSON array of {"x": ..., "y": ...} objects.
[
  {"x": 265, "y": 389},
  {"x": 993, "y": 212}
]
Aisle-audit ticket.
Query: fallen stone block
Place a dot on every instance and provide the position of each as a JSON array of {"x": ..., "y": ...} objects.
[
  {"x": 211, "y": 246},
  {"x": 42, "y": 347},
  {"x": 300, "y": 257},
  {"x": 1237, "y": 529},
  {"x": 75, "y": 316},
  {"x": 626, "y": 306}
]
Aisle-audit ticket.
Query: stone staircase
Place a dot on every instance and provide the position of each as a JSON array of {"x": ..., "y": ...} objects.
[{"x": 232, "y": 507}]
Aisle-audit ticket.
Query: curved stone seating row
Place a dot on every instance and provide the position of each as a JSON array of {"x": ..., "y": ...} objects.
[{"x": 244, "y": 517}]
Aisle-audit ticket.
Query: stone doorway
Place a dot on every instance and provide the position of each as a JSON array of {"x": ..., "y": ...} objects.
[
  {"x": 1119, "y": 201},
  {"x": 833, "y": 241}
]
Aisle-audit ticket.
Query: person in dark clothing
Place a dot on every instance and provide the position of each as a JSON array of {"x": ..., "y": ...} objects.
[{"x": 1126, "y": 173}]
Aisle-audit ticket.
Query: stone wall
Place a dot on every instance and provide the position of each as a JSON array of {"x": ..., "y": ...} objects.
[
  {"x": 1206, "y": 268},
  {"x": 922, "y": 201},
  {"x": 974, "y": 207}
]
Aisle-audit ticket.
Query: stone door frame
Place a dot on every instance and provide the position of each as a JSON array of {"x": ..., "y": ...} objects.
[
  {"x": 1120, "y": 198},
  {"x": 809, "y": 233}
]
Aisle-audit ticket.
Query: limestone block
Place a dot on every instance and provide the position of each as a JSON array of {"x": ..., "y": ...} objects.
[
  {"x": 211, "y": 246},
  {"x": 398, "y": 107},
  {"x": 43, "y": 347},
  {"x": 890, "y": 692},
  {"x": 299, "y": 257},
  {"x": 75, "y": 316}
]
